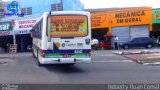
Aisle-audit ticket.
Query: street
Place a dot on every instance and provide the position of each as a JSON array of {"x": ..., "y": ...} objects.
[{"x": 106, "y": 68}]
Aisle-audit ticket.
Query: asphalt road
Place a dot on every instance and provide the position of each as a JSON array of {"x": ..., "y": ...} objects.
[{"x": 106, "y": 68}]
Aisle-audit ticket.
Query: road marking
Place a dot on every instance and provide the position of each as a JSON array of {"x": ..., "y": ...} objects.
[
  {"x": 153, "y": 57},
  {"x": 155, "y": 63},
  {"x": 116, "y": 61}
]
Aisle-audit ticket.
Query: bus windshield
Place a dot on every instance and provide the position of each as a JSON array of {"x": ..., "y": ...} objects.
[{"x": 68, "y": 26}]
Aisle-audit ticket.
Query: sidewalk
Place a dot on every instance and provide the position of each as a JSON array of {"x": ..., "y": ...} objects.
[
  {"x": 141, "y": 56},
  {"x": 14, "y": 54}
]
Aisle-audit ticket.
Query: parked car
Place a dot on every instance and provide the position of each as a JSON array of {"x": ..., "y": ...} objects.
[{"x": 146, "y": 42}]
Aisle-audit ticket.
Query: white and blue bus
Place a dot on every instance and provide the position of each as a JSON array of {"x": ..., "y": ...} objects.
[{"x": 62, "y": 37}]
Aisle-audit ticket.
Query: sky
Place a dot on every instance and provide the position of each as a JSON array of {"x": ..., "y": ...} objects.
[{"x": 90, "y": 4}]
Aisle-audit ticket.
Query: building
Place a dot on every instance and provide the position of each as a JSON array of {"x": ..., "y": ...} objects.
[
  {"x": 3, "y": 8},
  {"x": 156, "y": 22},
  {"x": 126, "y": 23},
  {"x": 1, "y": 13},
  {"x": 49, "y": 5},
  {"x": 31, "y": 7},
  {"x": 17, "y": 29}
]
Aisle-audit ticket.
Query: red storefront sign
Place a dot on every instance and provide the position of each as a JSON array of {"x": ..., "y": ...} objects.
[
  {"x": 26, "y": 23},
  {"x": 23, "y": 26}
]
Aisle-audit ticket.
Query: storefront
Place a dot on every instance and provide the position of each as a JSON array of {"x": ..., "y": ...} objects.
[
  {"x": 156, "y": 23},
  {"x": 6, "y": 32},
  {"x": 131, "y": 23},
  {"x": 16, "y": 31},
  {"x": 22, "y": 33},
  {"x": 100, "y": 25},
  {"x": 126, "y": 23}
]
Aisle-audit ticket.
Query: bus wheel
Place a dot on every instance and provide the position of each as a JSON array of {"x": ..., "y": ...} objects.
[{"x": 39, "y": 64}]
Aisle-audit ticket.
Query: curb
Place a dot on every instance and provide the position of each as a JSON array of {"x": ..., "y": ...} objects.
[
  {"x": 135, "y": 52},
  {"x": 145, "y": 60}
]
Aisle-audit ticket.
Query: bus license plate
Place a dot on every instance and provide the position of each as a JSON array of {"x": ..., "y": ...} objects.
[{"x": 67, "y": 56}]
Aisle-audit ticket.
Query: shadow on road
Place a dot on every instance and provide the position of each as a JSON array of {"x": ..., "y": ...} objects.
[{"x": 64, "y": 68}]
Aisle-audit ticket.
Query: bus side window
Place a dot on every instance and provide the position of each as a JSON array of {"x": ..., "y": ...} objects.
[
  {"x": 41, "y": 26},
  {"x": 36, "y": 31},
  {"x": 33, "y": 32},
  {"x": 47, "y": 25},
  {"x": 48, "y": 28},
  {"x": 39, "y": 30}
]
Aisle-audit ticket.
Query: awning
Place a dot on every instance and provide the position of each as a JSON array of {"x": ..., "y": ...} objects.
[{"x": 108, "y": 35}]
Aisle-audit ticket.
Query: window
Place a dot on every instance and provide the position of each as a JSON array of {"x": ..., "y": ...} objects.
[
  {"x": 57, "y": 7},
  {"x": 1, "y": 13},
  {"x": 48, "y": 25},
  {"x": 69, "y": 26},
  {"x": 37, "y": 30},
  {"x": 27, "y": 11}
]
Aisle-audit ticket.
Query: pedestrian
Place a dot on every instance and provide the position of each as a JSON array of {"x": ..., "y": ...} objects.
[
  {"x": 115, "y": 42},
  {"x": 102, "y": 45}
]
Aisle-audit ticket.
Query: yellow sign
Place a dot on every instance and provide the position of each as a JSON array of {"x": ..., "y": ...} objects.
[
  {"x": 69, "y": 26},
  {"x": 138, "y": 16},
  {"x": 100, "y": 20},
  {"x": 123, "y": 17}
]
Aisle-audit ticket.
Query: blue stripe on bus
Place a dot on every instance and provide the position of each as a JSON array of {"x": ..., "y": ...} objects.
[{"x": 71, "y": 51}]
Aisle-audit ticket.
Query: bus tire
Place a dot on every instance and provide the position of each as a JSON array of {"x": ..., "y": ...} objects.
[{"x": 39, "y": 64}]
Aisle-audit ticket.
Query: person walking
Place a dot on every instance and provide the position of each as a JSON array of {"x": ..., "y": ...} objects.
[
  {"x": 115, "y": 42},
  {"x": 102, "y": 45}
]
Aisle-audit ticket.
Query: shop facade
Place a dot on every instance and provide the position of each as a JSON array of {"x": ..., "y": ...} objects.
[
  {"x": 6, "y": 32},
  {"x": 22, "y": 31},
  {"x": 156, "y": 23},
  {"x": 125, "y": 23},
  {"x": 100, "y": 24},
  {"x": 131, "y": 23},
  {"x": 17, "y": 31}
]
